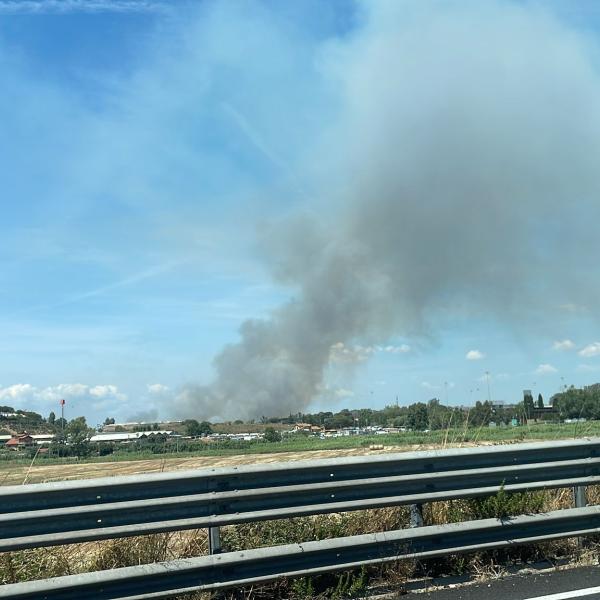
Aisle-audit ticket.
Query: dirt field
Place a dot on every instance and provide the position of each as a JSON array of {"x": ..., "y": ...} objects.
[{"x": 20, "y": 474}]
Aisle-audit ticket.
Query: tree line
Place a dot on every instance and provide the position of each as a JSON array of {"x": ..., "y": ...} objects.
[
  {"x": 419, "y": 416},
  {"x": 578, "y": 403}
]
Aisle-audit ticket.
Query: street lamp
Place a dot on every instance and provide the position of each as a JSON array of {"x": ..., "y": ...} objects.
[{"x": 487, "y": 377}]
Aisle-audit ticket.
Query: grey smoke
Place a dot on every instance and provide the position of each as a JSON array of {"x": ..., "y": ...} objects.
[
  {"x": 143, "y": 416},
  {"x": 460, "y": 177}
]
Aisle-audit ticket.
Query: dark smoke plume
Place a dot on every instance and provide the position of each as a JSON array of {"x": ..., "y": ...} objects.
[{"x": 462, "y": 179}]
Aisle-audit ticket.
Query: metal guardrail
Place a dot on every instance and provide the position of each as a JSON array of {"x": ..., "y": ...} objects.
[
  {"x": 236, "y": 569},
  {"x": 76, "y": 511}
]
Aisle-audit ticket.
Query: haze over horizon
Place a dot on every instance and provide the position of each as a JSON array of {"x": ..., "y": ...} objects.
[{"x": 234, "y": 209}]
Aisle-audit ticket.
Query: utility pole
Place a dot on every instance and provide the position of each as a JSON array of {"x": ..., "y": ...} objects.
[
  {"x": 487, "y": 377},
  {"x": 62, "y": 417}
]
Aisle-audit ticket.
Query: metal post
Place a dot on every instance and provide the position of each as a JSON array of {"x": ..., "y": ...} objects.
[
  {"x": 579, "y": 496},
  {"x": 580, "y": 500},
  {"x": 416, "y": 515},
  {"x": 214, "y": 540}
]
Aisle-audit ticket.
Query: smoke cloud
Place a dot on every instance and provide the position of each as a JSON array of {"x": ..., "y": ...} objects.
[{"x": 459, "y": 177}]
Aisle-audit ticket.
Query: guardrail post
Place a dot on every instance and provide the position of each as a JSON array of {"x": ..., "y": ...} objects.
[
  {"x": 580, "y": 500},
  {"x": 416, "y": 515},
  {"x": 579, "y": 496},
  {"x": 214, "y": 540}
]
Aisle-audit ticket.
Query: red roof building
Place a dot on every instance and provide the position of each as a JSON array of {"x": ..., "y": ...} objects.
[{"x": 24, "y": 440}]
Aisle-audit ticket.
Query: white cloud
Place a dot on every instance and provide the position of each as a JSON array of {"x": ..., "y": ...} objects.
[
  {"x": 342, "y": 354},
  {"x": 343, "y": 393},
  {"x": 62, "y": 390},
  {"x": 16, "y": 392},
  {"x": 27, "y": 396},
  {"x": 590, "y": 350},
  {"x": 157, "y": 389},
  {"x": 107, "y": 391},
  {"x": 563, "y": 345},
  {"x": 545, "y": 369},
  {"x": 474, "y": 355},
  {"x": 38, "y": 7},
  {"x": 402, "y": 349}
]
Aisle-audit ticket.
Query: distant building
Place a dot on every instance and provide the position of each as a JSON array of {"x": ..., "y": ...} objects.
[
  {"x": 137, "y": 426},
  {"x": 43, "y": 439},
  {"x": 19, "y": 442},
  {"x": 131, "y": 436},
  {"x": 316, "y": 429}
]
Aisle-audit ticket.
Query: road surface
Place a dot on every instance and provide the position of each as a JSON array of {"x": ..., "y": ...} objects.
[{"x": 565, "y": 584}]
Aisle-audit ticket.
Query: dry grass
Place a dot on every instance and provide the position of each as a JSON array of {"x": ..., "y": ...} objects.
[
  {"x": 11, "y": 474},
  {"x": 16, "y": 474}
]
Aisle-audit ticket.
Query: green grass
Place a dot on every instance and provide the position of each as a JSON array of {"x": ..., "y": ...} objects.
[{"x": 549, "y": 431}]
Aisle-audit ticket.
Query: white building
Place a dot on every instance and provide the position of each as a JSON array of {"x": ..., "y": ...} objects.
[{"x": 127, "y": 437}]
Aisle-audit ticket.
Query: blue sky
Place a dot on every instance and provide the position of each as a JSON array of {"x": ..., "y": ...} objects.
[{"x": 147, "y": 146}]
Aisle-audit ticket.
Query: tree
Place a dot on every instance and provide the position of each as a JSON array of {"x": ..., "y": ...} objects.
[
  {"x": 51, "y": 418},
  {"x": 440, "y": 416},
  {"x": 364, "y": 417},
  {"x": 480, "y": 414},
  {"x": 109, "y": 421},
  {"x": 192, "y": 427},
  {"x": 540, "y": 401},
  {"x": 342, "y": 419},
  {"x": 78, "y": 436},
  {"x": 528, "y": 405},
  {"x": 399, "y": 421},
  {"x": 417, "y": 418},
  {"x": 205, "y": 428},
  {"x": 195, "y": 429},
  {"x": 272, "y": 435}
]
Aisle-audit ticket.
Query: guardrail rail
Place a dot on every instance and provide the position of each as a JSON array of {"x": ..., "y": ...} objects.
[{"x": 58, "y": 513}]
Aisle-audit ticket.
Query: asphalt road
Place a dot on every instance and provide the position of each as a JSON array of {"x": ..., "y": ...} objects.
[{"x": 556, "y": 585}]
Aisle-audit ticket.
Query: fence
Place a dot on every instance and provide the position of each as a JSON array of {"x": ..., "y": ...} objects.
[{"x": 76, "y": 511}]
